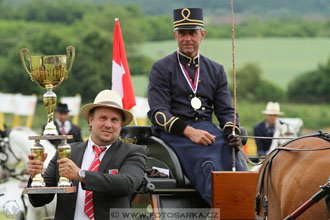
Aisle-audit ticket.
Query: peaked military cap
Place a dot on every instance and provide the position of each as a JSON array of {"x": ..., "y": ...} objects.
[{"x": 188, "y": 18}]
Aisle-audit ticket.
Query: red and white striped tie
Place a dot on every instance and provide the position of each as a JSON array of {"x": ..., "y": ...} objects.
[
  {"x": 89, "y": 209},
  {"x": 63, "y": 130}
]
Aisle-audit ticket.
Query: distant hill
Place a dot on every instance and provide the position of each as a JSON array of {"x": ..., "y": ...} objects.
[{"x": 265, "y": 8}]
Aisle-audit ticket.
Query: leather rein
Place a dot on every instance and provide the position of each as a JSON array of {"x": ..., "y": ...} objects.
[{"x": 266, "y": 169}]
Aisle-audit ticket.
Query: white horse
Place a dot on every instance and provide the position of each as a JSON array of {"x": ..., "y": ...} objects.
[
  {"x": 283, "y": 132},
  {"x": 17, "y": 149}
]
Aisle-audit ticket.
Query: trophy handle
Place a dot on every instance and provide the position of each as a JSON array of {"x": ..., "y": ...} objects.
[
  {"x": 68, "y": 49},
  {"x": 27, "y": 53}
]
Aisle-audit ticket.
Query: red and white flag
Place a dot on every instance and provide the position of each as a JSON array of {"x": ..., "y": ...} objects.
[{"x": 121, "y": 76}]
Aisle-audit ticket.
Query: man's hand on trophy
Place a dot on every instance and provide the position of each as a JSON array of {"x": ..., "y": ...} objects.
[
  {"x": 35, "y": 166},
  {"x": 67, "y": 168}
]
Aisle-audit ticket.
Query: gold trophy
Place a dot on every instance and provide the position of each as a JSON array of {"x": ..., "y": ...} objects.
[
  {"x": 38, "y": 149},
  {"x": 64, "y": 151},
  {"x": 48, "y": 72}
]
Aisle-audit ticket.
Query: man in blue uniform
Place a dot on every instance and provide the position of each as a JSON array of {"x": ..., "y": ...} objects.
[{"x": 184, "y": 89}]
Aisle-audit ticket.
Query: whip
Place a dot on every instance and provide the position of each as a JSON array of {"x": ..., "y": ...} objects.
[{"x": 234, "y": 79}]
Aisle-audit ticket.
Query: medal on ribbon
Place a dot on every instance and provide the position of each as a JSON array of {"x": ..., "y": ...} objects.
[{"x": 195, "y": 102}]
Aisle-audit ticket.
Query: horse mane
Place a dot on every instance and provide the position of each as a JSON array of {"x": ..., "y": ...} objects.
[{"x": 25, "y": 129}]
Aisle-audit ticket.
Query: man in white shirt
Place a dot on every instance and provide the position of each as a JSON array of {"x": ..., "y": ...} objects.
[{"x": 106, "y": 171}]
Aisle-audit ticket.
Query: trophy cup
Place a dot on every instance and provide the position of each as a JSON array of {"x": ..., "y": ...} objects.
[
  {"x": 38, "y": 149},
  {"x": 48, "y": 72},
  {"x": 64, "y": 151}
]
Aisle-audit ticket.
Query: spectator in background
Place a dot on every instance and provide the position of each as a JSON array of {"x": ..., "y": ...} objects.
[
  {"x": 64, "y": 126},
  {"x": 267, "y": 127}
]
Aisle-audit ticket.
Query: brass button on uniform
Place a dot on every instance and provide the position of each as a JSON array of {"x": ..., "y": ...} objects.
[
  {"x": 203, "y": 118},
  {"x": 190, "y": 95},
  {"x": 199, "y": 81},
  {"x": 196, "y": 119},
  {"x": 203, "y": 108}
]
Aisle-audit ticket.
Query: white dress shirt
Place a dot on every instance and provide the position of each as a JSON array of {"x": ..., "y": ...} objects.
[
  {"x": 67, "y": 125},
  {"x": 86, "y": 163}
]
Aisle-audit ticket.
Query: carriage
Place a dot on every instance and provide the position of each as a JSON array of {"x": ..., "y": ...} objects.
[{"x": 233, "y": 192}]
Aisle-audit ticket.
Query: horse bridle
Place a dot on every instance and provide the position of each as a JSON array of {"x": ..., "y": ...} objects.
[
  {"x": 4, "y": 145},
  {"x": 266, "y": 169}
]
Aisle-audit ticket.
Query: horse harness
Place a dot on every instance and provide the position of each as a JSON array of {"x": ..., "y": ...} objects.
[
  {"x": 4, "y": 154},
  {"x": 324, "y": 192}
]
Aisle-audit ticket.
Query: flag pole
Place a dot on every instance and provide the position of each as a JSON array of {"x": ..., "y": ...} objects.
[{"x": 134, "y": 117}]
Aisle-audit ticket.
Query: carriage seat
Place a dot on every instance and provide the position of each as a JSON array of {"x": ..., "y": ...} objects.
[{"x": 160, "y": 154}]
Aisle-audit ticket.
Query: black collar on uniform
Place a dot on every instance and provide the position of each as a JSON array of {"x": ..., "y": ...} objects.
[{"x": 187, "y": 61}]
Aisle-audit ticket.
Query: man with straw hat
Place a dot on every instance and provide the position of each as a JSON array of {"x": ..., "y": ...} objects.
[
  {"x": 105, "y": 171},
  {"x": 267, "y": 127},
  {"x": 185, "y": 89}
]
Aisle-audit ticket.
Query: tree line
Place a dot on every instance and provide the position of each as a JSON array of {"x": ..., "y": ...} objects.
[
  {"x": 310, "y": 87},
  {"x": 48, "y": 27},
  {"x": 263, "y": 8}
]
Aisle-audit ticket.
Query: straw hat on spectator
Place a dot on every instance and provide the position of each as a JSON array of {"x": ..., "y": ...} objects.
[
  {"x": 109, "y": 99},
  {"x": 272, "y": 108}
]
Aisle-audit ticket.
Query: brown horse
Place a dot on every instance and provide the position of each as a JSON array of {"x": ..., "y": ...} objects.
[{"x": 288, "y": 178}]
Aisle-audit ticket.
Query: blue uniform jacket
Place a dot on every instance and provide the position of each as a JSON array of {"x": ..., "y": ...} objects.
[
  {"x": 169, "y": 94},
  {"x": 263, "y": 145}
]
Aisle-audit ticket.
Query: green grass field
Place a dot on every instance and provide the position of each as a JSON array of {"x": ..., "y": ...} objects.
[{"x": 281, "y": 59}]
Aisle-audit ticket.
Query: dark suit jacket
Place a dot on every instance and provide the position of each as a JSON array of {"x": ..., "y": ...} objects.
[
  {"x": 263, "y": 145},
  {"x": 75, "y": 131},
  {"x": 110, "y": 190}
]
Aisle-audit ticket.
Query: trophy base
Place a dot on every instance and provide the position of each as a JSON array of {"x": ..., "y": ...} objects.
[
  {"x": 64, "y": 184},
  {"x": 48, "y": 190},
  {"x": 38, "y": 181},
  {"x": 50, "y": 132},
  {"x": 51, "y": 137},
  {"x": 50, "y": 129},
  {"x": 38, "y": 184}
]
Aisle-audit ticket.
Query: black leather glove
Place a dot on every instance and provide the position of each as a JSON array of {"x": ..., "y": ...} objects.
[{"x": 234, "y": 141}]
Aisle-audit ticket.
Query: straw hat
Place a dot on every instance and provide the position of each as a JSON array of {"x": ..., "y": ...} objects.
[
  {"x": 272, "y": 108},
  {"x": 109, "y": 99}
]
